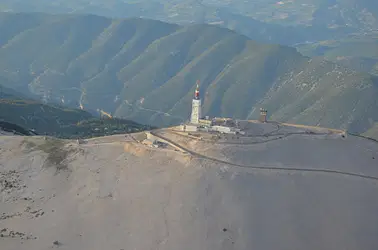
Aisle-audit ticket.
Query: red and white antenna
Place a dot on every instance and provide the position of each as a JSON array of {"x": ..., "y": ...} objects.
[{"x": 196, "y": 93}]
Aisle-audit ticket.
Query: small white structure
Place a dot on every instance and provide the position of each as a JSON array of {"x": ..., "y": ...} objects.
[
  {"x": 226, "y": 130},
  {"x": 205, "y": 122},
  {"x": 222, "y": 129}
]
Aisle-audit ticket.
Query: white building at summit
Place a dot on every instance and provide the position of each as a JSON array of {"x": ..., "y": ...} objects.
[{"x": 196, "y": 107}]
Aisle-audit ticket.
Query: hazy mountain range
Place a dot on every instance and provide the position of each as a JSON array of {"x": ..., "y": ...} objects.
[
  {"x": 316, "y": 27},
  {"x": 358, "y": 14},
  {"x": 359, "y": 52},
  {"x": 145, "y": 70}
]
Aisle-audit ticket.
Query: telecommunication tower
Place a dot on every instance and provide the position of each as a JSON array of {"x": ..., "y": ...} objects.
[{"x": 196, "y": 106}]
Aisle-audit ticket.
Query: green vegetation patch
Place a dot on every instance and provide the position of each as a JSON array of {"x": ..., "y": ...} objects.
[
  {"x": 56, "y": 150},
  {"x": 99, "y": 127}
]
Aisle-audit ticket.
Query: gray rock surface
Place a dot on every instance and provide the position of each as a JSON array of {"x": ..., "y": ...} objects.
[{"x": 116, "y": 194}]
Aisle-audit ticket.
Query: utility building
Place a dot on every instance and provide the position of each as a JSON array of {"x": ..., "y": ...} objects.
[
  {"x": 206, "y": 122},
  {"x": 263, "y": 114},
  {"x": 196, "y": 107}
]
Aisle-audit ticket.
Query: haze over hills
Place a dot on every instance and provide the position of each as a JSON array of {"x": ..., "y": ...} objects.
[
  {"x": 145, "y": 70},
  {"x": 325, "y": 15},
  {"x": 284, "y": 22},
  {"x": 295, "y": 23},
  {"x": 359, "y": 52},
  {"x": 354, "y": 13}
]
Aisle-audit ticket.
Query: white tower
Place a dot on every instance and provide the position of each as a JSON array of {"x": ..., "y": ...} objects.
[{"x": 196, "y": 107}]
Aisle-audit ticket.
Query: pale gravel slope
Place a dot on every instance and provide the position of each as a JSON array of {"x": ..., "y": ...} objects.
[{"x": 153, "y": 199}]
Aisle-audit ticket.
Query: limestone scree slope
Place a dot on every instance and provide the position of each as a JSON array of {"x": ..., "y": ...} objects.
[{"x": 113, "y": 193}]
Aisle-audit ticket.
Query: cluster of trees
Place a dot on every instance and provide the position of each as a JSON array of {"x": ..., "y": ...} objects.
[
  {"x": 96, "y": 127},
  {"x": 13, "y": 128}
]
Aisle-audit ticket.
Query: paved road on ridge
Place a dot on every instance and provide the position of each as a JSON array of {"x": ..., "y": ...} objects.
[{"x": 327, "y": 171}]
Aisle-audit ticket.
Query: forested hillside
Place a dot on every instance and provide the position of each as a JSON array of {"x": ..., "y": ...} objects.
[
  {"x": 26, "y": 116},
  {"x": 323, "y": 27},
  {"x": 145, "y": 70}
]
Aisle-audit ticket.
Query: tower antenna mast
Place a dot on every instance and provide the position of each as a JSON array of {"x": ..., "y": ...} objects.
[{"x": 196, "y": 93}]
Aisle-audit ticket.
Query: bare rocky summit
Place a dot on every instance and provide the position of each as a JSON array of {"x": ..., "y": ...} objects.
[{"x": 280, "y": 187}]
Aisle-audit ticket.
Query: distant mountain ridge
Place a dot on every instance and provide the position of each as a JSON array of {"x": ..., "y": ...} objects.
[
  {"x": 313, "y": 20},
  {"x": 300, "y": 23},
  {"x": 145, "y": 70}
]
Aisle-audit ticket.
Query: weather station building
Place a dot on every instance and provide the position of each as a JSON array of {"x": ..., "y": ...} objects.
[
  {"x": 204, "y": 124},
  {"x": 263, "y": 114}
]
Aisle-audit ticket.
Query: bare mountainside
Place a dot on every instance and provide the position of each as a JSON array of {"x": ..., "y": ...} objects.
[{"x": 277, "y": 187}]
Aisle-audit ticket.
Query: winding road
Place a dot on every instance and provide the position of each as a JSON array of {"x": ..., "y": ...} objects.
[{"x": 326, "y": 171}]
